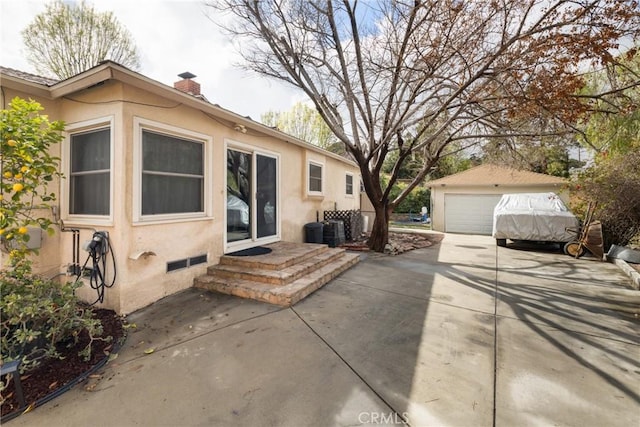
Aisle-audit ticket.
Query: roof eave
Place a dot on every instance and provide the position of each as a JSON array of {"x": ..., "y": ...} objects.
[
  {"x": 23, "y": 85},
  {"x": 153, "y": 86},
  {"x": 110, "y": 70},
  {"x": 82, "y": 81},
  {"x": 511, "y": 184}
]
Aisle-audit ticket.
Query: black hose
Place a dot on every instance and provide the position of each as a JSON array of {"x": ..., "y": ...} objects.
[{"x": 99, "y": 248}]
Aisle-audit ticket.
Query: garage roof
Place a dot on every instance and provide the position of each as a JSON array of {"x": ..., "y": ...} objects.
[{"x": 488, "y": 174}]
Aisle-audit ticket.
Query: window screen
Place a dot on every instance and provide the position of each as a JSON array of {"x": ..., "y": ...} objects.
[
  {"x": 172, "y": 174},
  {"x": 90, "y": 175},
  {"x": 349, "y": 185},
  {"x": 315, "y": 178}
]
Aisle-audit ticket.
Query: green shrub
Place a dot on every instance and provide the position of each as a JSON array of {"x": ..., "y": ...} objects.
[
  {"x": 414, "y": 202},
  {"x": 38, "y": 314},
  {"x": 612, "y": 182}
]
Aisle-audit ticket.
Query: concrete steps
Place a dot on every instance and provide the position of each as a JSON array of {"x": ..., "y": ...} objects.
[
  {"x": 283, "y": 255},
  {"x": 285, "y": 276},
  {"x": 280, "y": 277}
]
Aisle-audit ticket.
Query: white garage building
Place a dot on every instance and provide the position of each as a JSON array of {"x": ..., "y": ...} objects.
[{"x": 464, "y": 202}]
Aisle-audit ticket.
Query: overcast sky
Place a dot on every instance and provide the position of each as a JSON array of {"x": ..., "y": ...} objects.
[{"x": 173, "y": 36}]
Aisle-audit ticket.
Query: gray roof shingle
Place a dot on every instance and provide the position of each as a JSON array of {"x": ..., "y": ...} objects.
[{"x": 45, "y": 81}]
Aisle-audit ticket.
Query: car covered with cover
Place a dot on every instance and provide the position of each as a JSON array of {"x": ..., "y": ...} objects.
[{"x": 538, "y": 217}]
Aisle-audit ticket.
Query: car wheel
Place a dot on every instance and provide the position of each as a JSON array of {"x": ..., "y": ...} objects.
[
  {"x": 574, "y": 249},
  {"x": 501, "y": 242}
]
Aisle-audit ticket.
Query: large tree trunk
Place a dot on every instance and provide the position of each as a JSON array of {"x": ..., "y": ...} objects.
[{"x": 380, "y": 230}]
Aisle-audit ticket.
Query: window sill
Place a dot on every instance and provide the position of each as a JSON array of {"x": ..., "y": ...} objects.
[
  {"x": 141, "y": 223},
  {"x": 87, "y": 222}
]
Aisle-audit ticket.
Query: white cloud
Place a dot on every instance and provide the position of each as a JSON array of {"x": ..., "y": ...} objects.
[{"x": 172, "y": 37}]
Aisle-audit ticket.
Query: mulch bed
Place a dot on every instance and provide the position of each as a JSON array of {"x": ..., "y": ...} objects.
[
  {"x": 398, "y": 242},
  {"x": 53, "y": 374}
]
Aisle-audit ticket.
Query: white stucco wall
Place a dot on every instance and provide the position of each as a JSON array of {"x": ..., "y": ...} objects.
[{"x": 142, "y": 280}]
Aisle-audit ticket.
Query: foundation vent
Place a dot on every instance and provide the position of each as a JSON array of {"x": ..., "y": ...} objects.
[
  {"x": 200, "y": 259},
  {"x": 186, "y": 262}
]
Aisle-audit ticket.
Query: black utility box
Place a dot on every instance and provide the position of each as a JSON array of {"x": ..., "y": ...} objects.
[
  {"x": 333, "y": 233},
  {"x": 313, "y": 232}
]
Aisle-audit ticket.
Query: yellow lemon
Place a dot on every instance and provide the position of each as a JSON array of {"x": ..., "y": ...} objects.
[
  {"x": 17, "y": 187},
  {"x": 24, "y": 169},
  {"x": 9, "y": 236},
  {"x": 11, "y": 143},
  {"x": 1, "y": 197},
  {"x": 18, "y": 176},
  {"x": 22, "y": 230},
  {"x": 1, "y": 231},
  {"x": 8, "y": 175}
]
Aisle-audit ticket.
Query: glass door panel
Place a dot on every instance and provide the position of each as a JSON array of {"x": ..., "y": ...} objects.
[
  {"x": 266, "y": 196},
  {"x": 239, "y": 192}
]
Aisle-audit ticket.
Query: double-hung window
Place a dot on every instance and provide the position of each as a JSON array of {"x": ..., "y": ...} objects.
[
  {"x": 315, "y": 178},
  {"x": 172, "y": 174},
  {"x": 90, "y": 172},
  {"x": 349, "y": 185}
]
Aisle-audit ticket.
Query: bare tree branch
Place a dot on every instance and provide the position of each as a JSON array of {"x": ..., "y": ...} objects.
[{"x": 420, "y": 75}]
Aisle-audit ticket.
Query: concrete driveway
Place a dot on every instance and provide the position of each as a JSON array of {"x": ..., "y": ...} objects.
[{"x": 459, "y": 334}]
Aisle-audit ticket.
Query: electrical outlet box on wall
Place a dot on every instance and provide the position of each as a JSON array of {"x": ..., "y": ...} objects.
[{"x": 35, "y": 238}]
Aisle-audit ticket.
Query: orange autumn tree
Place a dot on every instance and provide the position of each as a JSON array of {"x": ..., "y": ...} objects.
[
  {"x": 424, "y": 76},
  {"x": 612, "y": 137}
]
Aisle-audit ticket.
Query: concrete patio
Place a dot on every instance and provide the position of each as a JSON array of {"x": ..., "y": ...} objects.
[{"x": 458, "y": 334}]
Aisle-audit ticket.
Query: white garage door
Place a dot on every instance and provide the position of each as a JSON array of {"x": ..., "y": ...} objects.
[{"x": 469, "y": 213}]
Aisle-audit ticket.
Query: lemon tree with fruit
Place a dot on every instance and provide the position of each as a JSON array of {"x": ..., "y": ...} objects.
[
  {"x": 28, "y": 168},
  {"x": 40, "y": 317}
]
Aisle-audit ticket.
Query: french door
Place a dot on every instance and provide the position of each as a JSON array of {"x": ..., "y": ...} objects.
[{"x": 252, "y": 215}]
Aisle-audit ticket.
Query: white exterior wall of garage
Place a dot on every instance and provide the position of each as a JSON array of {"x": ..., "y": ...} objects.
[{"x": 469, "y": 209}]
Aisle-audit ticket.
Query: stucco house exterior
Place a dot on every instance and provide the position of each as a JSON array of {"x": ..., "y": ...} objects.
[
  {"x": 174, "y": 180},
  {"x": 464, "y": 202}
]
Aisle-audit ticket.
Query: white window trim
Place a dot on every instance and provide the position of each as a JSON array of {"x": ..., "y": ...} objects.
[
  {"x": 86, "y": 126},
  {"x": 140, "y": 124},
  {"x": 308, "y": 179},
  {"x": 353, "y": 180}
]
